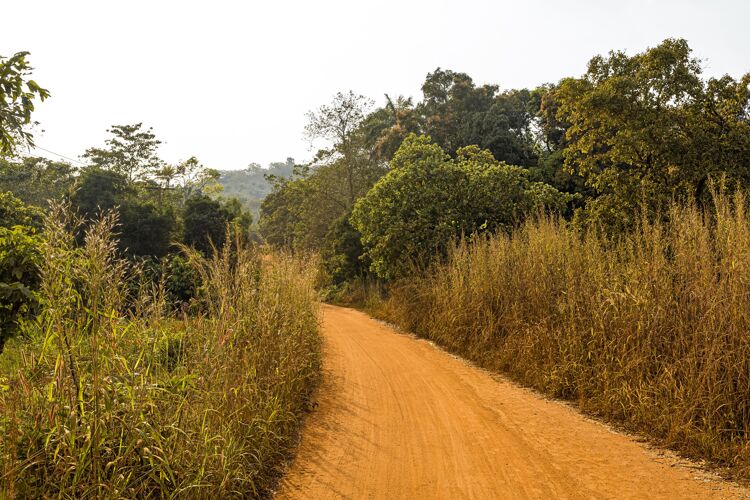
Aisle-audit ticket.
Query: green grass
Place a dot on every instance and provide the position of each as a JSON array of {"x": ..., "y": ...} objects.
[
  {"x": 651, "y": 330},
  {"x": 108, "y": 396}
]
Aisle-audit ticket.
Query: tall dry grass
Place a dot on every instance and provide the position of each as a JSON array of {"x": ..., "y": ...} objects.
[
  {"x": 652, "y": 330},
  {"x": 107, "y": 396}
]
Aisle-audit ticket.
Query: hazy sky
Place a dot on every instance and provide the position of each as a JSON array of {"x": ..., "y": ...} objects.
[{"x": 230, "y": 82}]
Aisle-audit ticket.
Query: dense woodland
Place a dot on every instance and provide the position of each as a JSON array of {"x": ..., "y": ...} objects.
[{"x": 495, "y": 221}]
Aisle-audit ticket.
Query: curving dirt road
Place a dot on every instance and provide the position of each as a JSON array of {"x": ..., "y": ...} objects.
[{"x": 399, "y": 418}]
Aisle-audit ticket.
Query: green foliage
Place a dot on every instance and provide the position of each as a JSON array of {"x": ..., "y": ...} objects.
[
  {"x": 143, "y": 229},
  {"x": 428, "y": 200},
  {"x": 181, "y": 281},
  {"x": 342, "y": 253},
  {"x": 457, "y": 113},
  {"x": 36, "y": 181},
  {"x": 98, "y": 400},
  {"x": 303, "y": 212},
  {"x": 206, "y": 221},
  {"x": 13, "y": 212},
  {"x": 17, "y": 95},
  {"x": 130, "y": 152},
  {"x": 643, "y": 130},
  {"x": 20, "y": 256}
]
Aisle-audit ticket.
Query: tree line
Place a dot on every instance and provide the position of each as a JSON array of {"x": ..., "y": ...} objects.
[{"x": 401, "y": 183}]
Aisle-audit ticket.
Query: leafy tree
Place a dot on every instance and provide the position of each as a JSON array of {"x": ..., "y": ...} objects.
[
  {"x": 279, "y": 214},
  {"x": 457, "y": 113},
  {"x": 339, "y": 123},
  {"x": 143, "y": 229},
  {"x": 17, "y": 95},
  {"x": 13, "y": 212},
  {"x": 205, "y": 223},
  {"x": 131, "y": 152},
  {"x": 646, "y": 129},
  {"x": 386, "y": 128},
  {"x": 342, "y": 254},
  {"x": 428, "y": 200},
  {"x": 36, "y": 180},
  {"x": 20, "y": 255}
]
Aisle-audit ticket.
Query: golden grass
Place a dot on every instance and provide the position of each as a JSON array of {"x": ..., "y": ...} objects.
[
  {"x": 107, "y": 400},
  {"x": 652, "y": 330}
]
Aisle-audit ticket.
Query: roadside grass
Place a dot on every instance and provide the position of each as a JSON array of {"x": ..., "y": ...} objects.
[
  {"x": 108, "y": 396},
  {"x": 651, "y": 330}
]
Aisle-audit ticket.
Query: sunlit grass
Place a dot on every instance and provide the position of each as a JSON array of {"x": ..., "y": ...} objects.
[
  {"x": 108, "y": 396},
  {"x": 652, "y": 330}
]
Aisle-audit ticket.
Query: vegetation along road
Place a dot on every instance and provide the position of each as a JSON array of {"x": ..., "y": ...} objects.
[{"x": 399, "y": 418}]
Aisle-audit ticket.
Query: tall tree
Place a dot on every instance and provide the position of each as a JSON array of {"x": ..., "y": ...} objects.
[
  {"x": 131, "y": 151},
  {"x": 17, "y": 95},
  {"x": 645, "y": 129},
  {"x": 338, "y": 123}
]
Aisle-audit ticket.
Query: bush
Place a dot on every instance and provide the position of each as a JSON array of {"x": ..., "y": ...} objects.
[
  {"x": 19, "y": 257},
  {"x": 427, "y": 200}
]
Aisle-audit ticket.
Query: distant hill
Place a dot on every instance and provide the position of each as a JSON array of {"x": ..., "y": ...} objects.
[{"x": 250, "y": 185}]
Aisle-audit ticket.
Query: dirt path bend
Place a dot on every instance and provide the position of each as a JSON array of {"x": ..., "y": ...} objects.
[{"x": 399, "y": 418}]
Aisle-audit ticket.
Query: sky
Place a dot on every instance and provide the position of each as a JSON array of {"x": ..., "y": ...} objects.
[{"x": 230, "y": 82}]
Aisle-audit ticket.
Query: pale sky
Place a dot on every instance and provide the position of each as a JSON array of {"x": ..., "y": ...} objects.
[{"x": 230, "y": 82}]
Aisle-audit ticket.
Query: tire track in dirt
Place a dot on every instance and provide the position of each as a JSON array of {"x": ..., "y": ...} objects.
[{"x": 399, "y": 418}]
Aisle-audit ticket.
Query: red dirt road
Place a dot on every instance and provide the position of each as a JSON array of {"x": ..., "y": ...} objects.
[{"x": 399, "y": 418}]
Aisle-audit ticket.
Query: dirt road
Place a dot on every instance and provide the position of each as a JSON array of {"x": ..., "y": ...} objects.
[{"x": 399, "y": 418}]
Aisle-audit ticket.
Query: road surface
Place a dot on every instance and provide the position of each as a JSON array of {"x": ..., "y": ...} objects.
[{"x": 399, "y": 418}]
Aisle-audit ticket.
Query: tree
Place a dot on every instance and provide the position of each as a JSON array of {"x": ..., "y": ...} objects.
[
  {"x": 647, "y": 129},
  {"x": 428, "y": 200},
  {"x": 457, "y": 113},
  {"x": 143, "y": 230},
  {"x": 338, "y": 123},
  {"x": 386, "y": 128},
  {"x": 205, "y": 223},
  {"x": 36, "y": 180},
  {"x": 131, "y": 152},
  {"x": 17, "y": 95},
  {"x": 342, "y": 254},
  {"x": 13, "y": 212}
]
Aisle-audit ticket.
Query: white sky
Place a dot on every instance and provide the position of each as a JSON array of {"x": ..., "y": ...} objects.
[{"x": 230, "y": 82}]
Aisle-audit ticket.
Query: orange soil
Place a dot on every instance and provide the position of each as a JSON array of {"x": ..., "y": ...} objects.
[{"x": 399, "y": 418}]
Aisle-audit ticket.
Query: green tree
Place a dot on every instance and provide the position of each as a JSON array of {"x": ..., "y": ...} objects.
[
  {"x": 36, "y": 180},
  {"x": 131, "y": 152},
  {"x": 428, "y": 200},
  {"x": 205, "y": 223},
  {"x": 457, "y": 113},
  {"x": 143, "y": 229},
  {"x": 646, "y": 129},
  {"x": 14, "y": 212},
  {"x": 342, "y": 254},
  {"x": 17, "y": 95},
  {"x": 339, "y": 124}
]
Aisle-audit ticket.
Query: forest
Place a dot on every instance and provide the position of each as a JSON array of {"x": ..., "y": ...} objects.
[{"x": 589, "y": 238}]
